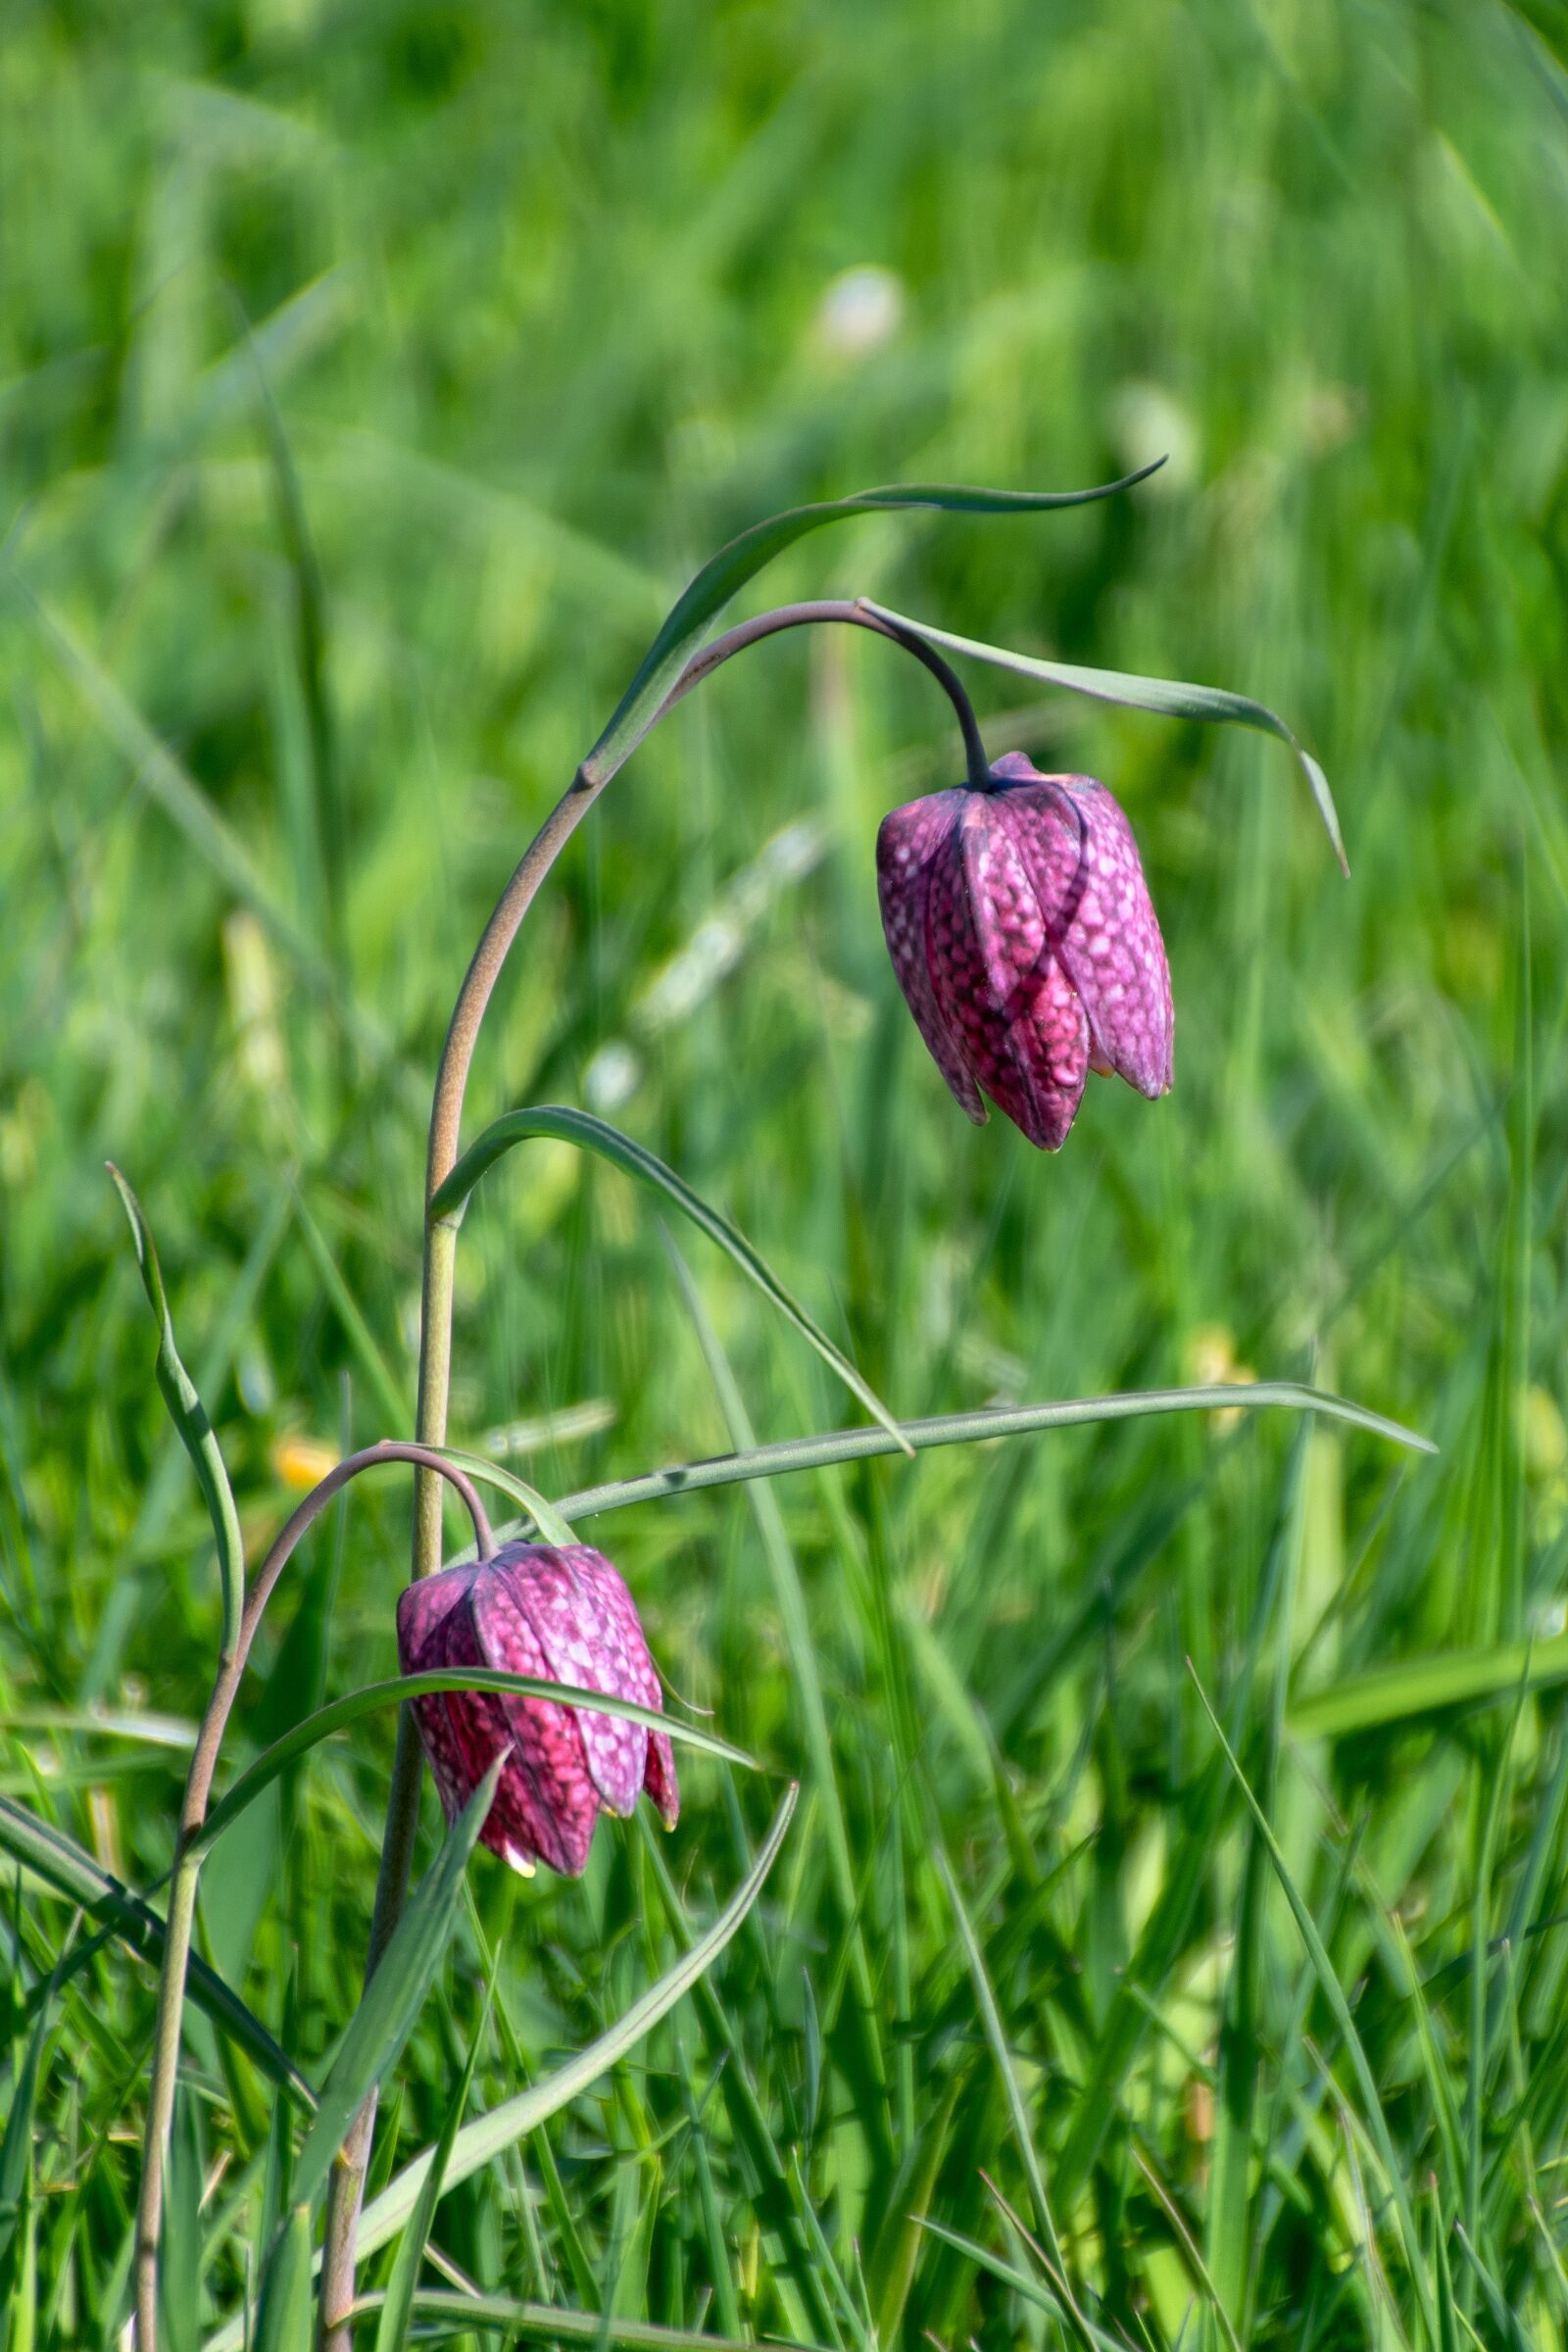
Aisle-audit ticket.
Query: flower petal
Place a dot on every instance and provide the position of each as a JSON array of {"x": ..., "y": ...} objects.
[
  {"x": 912, "y": 843},
  {"x": 1102, "y": 921},
  {"x": 1024, "y": 1033},
  {"x": 546, "y": 1796},
  {"x": 588, "y": 1627}
]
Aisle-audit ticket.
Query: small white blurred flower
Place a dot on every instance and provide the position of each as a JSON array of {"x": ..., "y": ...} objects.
[
  {"x": 613, "y": 1076},
  {"x": 861, "y": 311},
  {"x": 1147, "y": 422}
]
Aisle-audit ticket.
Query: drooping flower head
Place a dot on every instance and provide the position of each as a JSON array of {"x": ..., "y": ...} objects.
[
  {"x": 563, "y": 1615},
  {"x": 1020, "y": 928}
]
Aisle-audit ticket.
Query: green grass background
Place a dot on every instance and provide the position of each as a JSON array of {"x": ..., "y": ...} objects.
[{"x": 370, "y": 380}]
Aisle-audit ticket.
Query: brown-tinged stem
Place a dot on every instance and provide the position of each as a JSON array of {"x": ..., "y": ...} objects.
[
  {"x": 436, "y": 1327},
  {"x": 180, "y": 1919}
]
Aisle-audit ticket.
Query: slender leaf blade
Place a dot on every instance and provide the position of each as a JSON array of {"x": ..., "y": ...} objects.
[
  {"x": 283, "y": 2319},
  {"x": 746, "y": 555},
  {"x": 395, "y": 1994},
  {"x": 635, "y": 1159},
  {"x": 189, "y": 1417},
  {"x": 1170, "y": 697},
  {"x": 71, "y": 1871},
  {"x": 339, "y": 1713},
  {"x": 836, "y": 1446}
]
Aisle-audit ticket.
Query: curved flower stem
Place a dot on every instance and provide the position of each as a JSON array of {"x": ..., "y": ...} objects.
[
  {"x": 435, "y": 1324},
  {"x": 181, "y": 1917}
]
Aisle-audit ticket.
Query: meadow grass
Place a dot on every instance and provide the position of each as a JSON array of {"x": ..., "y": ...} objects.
[{"x": 1168, "y": 1946}]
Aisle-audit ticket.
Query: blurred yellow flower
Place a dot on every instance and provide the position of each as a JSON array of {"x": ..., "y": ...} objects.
[
  {"x": 303, "y": 1462},
  {"x": 1210, "y": 1361}
]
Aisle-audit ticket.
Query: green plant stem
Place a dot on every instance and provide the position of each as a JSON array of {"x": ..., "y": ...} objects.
[
  {"x": 435, "y": 1322},
  {"x": 179, "y": 1919}
]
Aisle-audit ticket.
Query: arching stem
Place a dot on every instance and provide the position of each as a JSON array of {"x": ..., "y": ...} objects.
[
  {"x": 181, "y": 1917},
  {"x": 435, "y": 1326}
]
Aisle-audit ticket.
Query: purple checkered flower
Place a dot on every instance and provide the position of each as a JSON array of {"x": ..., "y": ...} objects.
[
  {"x": 1022, "y": 935},
  {"x": 565, "y": 1616}
]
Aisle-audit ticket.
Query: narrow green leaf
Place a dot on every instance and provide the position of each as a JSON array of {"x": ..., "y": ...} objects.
[
  {"x": 397, "y": 2311},
  {"x": 745, "y": 555},
  {"x": 1018, "y": 2106},
  {"x": 480, "y": 2142},
  {"x": 1453, "y": 1678},
  {"x": 547, "y": 1518},
  {"x": 971, "y": 1429},
  {"x": 74, "y": 1872},
  {"x": 395, "y": 1995},
  {"x": 283, "y": 2319},
  {"x": 187, "y": 1414},
  {"x": 1168, "y": 697},
  {"x": 16, "y": 2156},
  {"x": 1374, "y": 2120},
  {"x": 341, "y": 1712},
  {"x": 442, "y": 2313},
  {"x": 622, "y": 1152}
]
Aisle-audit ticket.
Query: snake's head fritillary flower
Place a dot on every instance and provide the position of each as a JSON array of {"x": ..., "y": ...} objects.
[
  {"x": 564, "y": 1615},
  {"x": 1022, "y": 931}
]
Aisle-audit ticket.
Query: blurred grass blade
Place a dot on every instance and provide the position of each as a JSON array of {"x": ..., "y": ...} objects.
[
  {"x": 480, "y": 2142},
  {"x": 1018, "y": 2106},
  {"x": 795, "y": 1619},
  {"x": 16, "y": 2160},
  {"x": 549, "y": 1523},
  {"x": 397, "y": 2311},
  {"x": 341, "y": 1712},
  {"x": 1168, "y": 697},
  {"x": 1375, "y": 2120},
  {"x": 433, "y": 2306},
  {"x": 75, "y": 1874},
  {"x": 390, "y": 2008},
  {"x": 1453, "y": 1678},
  {"x": 594, "y": 1135},
  {"x": 967, "y": 1429},
  {"x": 743, "y": 556},
  {"x": 283, "y": 2319},
  {"x": 189, "y": 1418}
]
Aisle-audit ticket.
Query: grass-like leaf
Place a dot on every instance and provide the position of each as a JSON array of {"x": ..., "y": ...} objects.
[
  {"x": 622, "y": 1152},
  {"x": 743, "y": 556},
  {"x": 441, "y": 2313},
  {"x": 341, "y": 1712},
  {"x": 1376, "y": 2121},
  {"x": 73, "y": 1872},
  {"x": 1168, "y": 697},
  {"x": 397, "y": 2311},
  {"x": 283, "y": 2319},
  {"x": 482, "y": 2141},
  {"x": 190, "y": 1419},
  {"x": 969, "y": 1429},
  {"x": 1454, "y": 1677},
  {"x": 395, "y": 1994}
]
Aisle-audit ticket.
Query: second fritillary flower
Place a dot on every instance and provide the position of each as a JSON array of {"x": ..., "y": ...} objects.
[
  {"x": 1024, "y": 940},
  {"x": 565, "y": 1615}
]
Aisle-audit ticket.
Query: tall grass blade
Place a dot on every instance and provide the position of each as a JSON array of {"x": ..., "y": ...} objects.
[
  {"x": 339, "y": 1713},
  {"x": 1167, "y": 697},
  {"x": 186, "y": 1411},
  {"x": 1377, "y": 2125},
  {"x": 387, "y": 2014},
  {"x": 622, "y": 1152},
  {"x": 743, "y": 556}
]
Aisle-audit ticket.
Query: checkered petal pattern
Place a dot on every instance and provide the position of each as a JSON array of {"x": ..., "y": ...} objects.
[
  {"x": 1024, "y": 940},
  {"x": 563, "y": 1615}
]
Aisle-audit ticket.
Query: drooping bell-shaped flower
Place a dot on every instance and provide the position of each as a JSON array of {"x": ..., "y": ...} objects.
[
  {"x": 565, "y": 1615},
  {"x": 1022, "y": 931}
]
